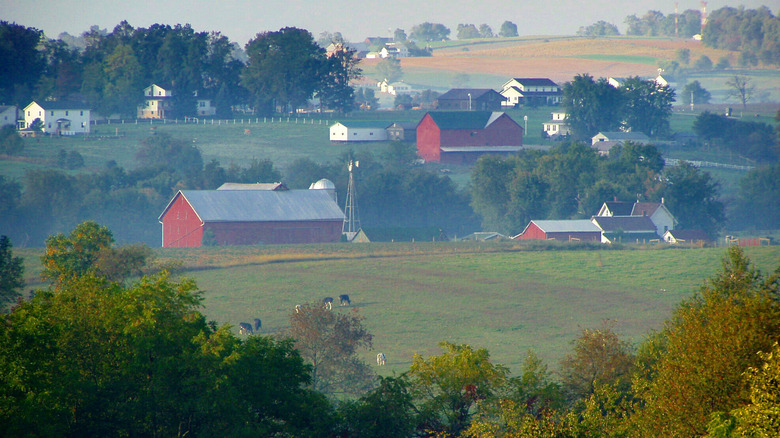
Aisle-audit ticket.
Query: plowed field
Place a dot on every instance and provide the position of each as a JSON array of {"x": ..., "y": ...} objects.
[{"x": 560, "y": 58}]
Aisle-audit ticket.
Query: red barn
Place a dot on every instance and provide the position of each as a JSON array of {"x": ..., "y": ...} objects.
[
  {"x": 462, "y": 136},
  {"x": 250, "y": 217},
  {"x": 565, "y": 230}
]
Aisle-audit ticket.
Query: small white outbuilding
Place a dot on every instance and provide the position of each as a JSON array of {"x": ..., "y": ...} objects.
[{"x": 359, "y": 131}]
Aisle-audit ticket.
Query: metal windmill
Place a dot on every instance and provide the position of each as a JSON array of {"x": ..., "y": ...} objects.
[{"x": 351, "y": 218}]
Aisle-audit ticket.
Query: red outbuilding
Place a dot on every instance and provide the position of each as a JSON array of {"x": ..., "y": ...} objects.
[
  {"x": 565, "y": 230},
  {"x": 251, "y": 217},
  {"x": 463, "y": 136}
]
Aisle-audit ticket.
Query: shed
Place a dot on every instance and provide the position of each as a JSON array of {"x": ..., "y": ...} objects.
[
  {"x": 463, "y": 136},
  {"x": 359, "y": 131},
  {"x": 402, "y": 132},
  {"x": 250, "y": 217},
  {"x": 691, "y": 237},
  {"x": 604, "y": 141},
  {"x": 565, "y": 230}
]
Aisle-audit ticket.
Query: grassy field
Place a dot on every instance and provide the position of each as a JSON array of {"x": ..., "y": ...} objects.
[{"x": 508, "y": 297}]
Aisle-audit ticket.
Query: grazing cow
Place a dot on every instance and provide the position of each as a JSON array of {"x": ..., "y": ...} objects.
[
  {"x": 245, "y": 328},
  {"x": 344, "y": 300},
  {"x": 258, "y": 324},
  {"x": 297, "y": 308},
  {"x": 380, "y": 359},
  {"x": 328, "y": 301}
]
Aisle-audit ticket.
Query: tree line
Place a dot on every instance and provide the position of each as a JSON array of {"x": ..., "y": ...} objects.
[
  {"x": 93, "y": 354},
  {"x": 278, "y": 70},
  {"x": 392, "y": 191},
  {"x": 755, "y": 33}
]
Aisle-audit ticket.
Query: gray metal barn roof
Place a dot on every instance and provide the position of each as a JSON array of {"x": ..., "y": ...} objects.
[
  {"x": 566, "y": 226},
  {"x": 260, "y": 205}
]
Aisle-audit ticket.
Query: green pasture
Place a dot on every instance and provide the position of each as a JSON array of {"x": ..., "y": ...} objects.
[{"x": 503, "y": 297}]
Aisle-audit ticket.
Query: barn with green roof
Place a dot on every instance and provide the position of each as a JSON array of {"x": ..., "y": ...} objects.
[{"x": 463, "y": 136}]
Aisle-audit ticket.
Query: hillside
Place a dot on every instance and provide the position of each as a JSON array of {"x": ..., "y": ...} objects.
[
  {"x": 508, "y": 298},
  {"x": 490, "y": 63}
]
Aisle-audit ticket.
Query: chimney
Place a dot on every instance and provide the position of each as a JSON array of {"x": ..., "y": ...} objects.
[{"x": 662, "y": 200}]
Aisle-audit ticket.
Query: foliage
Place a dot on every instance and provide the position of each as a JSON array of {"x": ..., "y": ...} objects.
[
  {"x": 755, "y": 32},
  {"x": 22, "y": 62},
  {"x": 693, "y": 197},
  {"x": 284, "y": 69},
  {"x": 467, "y": 31},
  {"x": 99, "y": 359},
  {"x": 758, "y": 201},
  {"x": 448, "y": 387},
  {"x": 599, "y": 28},
  {"x": 386, "y": 411},
  {"x": 569, "y": 181},
  {"x": 427, "y": 32},
  {"x": 163, "y": 152},
  {"x": 752, "y": 140},
  {"x": 534, "y": 389},
  {"x": 11, "y": 272},
  {"x": 591, "y": 106},
  {"x": 340, "y": 69},
  {"x": 694, "y": 89},
  {"x": 761, "y": 417},
  {"x": 703, "y": 63},
  {"x": 11, "y": 142},
  {"x": 684, "y": 55},
  {"x": 328, "y": 341},
  {"x": 508, "y": 30},
  {"x": 390, "y": 69},
  {"x": 648, "y": 106},
  {"x": 741, "y": 88},
  {"x": 599, "y": 358},
  {"x": 655, "y": 23},
  {"x": 73, "y": 256},
  {"x": 695, "y": 366},
  {"x": 485, "y": 31}
]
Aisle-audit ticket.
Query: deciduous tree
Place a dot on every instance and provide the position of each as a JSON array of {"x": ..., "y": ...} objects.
[
  {"x": 448, "y": 387},
  {"x": 11, "y": 272},
  {"x": 695, "y": 366},
  {"x": 508, "y": 29},
  {"x": 600, "y": 357},
  {"x": 328, "y": 341},
  {"x": 284, "y": 69}
]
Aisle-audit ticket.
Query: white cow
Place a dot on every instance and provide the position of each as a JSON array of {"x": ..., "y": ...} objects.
[
  {"x": 297, "y": 308},
  {"x": 380, "y": 359}
]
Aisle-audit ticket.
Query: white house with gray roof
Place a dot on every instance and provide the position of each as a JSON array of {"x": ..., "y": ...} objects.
[{"x": 58, "y": 117}]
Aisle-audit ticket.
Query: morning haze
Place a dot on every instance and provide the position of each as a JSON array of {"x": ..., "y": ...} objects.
[{"x": 355, "y": 19}]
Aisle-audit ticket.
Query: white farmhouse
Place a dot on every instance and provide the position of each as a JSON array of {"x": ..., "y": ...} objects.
[
  {"x": 156, "y": 102},
  {"x": 359, "y": 131},
  {"x": 8, "y": 115},
  {"x": 557, "y": 125},
  {"x": 59, "y": 117}
]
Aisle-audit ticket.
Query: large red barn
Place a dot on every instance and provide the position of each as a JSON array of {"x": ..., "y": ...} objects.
[
  {"x": 565, "y": 230},
  {"x": 251, "y": 217},
  {"x": 462, "y": 136}
]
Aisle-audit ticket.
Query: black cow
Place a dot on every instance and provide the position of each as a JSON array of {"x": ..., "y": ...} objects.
[
  {"x": 245, "y": 328},
  {"x": 258, "y": 324},
  {"x": 328, "y": 302},
  {"x": 344, "y": 300}
]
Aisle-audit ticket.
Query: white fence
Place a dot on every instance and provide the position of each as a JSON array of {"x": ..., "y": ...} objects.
[{"x": 695, "y": 163}]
